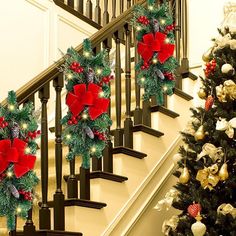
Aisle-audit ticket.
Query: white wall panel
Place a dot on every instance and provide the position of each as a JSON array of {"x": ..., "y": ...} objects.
[{"x": 31, "y": 32}]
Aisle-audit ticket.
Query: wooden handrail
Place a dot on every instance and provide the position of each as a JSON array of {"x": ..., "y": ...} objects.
[{"x": 52, "y": 71}]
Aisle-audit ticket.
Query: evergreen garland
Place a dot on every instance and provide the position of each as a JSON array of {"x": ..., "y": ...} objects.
[
  {"x": 85, "y": 133},
  {"x": 17, "y": 179},
  {"x": 156, "y": 74}
]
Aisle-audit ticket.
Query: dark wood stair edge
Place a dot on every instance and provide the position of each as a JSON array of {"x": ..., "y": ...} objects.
[
  {"x": 51, "y": 233},
  {"x": 77, "y": 14},
  {"x": 147, "y": 130},
  {"x": 182, "y": 94},
  {"x": 102, "y": 175},
  {"x": 129, "y": 152},
  {"x": 164, "y": 110},
  {"x": 80, "y": 202}
]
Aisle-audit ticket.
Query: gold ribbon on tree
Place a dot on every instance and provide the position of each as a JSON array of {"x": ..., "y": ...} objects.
[
  {"x": 208, "y": 176},
  {"x": 228, "y": 126},
  {"x": 226, "y": 91},
  {"x": 226, "y": 209},
  {"x": 212, "y": 151}
]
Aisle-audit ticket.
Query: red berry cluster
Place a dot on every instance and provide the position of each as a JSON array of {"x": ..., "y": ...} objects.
[
  {"x": 26, "y": 195},
  {"x": 2, "y": 176},
  {"x": 32, "y": 135},
  {"x": 143, "y": 20},
  {"x": 145, "y": 66},
  {"x": 210, "y": 67},
  {"x": 73, "y": 120},
  {"x": 106, "y": 80},
  {"x": 169, "y": 75},
  {"x": 75, "y": 66},
  {"x": 3, "y": 123},
  {"x": 101, "y": 136},
  {"x": 169, "y": 28}
]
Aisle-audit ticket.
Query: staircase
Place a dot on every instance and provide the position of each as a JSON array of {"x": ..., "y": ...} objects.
[{"x": 137, "y": 159}]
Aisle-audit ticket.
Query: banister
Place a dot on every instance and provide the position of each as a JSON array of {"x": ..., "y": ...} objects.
[{"x": 52, "y": 71}]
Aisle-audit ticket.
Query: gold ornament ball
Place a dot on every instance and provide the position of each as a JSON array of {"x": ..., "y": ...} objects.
[
  {"x": 223, "y": 173},
  {"x": 202, "y": 94},
  {"x": 185, "y": 176},
  {"x": 200, "y": 134}
]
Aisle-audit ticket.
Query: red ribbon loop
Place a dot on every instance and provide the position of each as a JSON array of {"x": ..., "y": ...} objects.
[
  {"x": 87, "y": 97},
  {"x": 15, "y": 153},
  {"x": 155, "y": 43}
]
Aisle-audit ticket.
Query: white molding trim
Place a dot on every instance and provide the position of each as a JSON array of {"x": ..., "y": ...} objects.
[{"x": 147, "y": 181}]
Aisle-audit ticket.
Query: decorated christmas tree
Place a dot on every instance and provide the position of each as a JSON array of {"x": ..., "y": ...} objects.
[
  {"x": 18, "y": 130},
  {"x": 154, "y": 33},
  {"x": 206, "y": 188},
  {"x": 86, "y": 123}
]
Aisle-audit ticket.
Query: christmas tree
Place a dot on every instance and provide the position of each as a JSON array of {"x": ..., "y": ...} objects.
[
  {"x": 155, "y": 35},
  {"x": 86, "y": 123},
  {"x": 18, "y": 130},
  {"x": 206, "y": 188}
]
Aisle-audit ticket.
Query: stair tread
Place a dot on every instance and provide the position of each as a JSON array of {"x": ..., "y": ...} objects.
[
  {"x": 164, "y": 110},
  {"x": 182, "y": 94},
  {"x": 147, "y": 130},
  {"x": 129, "y": 152},
  {"x": 51, "y": 233}
]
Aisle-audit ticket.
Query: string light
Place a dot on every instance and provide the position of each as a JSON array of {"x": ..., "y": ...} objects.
[
  {"x": 163, "y": 21},
  {"x": 165, "y": 88},
  {"x": 93, "y": 149},
  {"x": 9, "y": 174},
  {"x": 68, "y": 136},
  {"x": 167, "y": 40},
  {"x": 11, "y": 107},
  {"x": 101, "y": 94},
  {"x": 150, "y": 8},
  {"x": 142, "y": 79},
  {"x": 154, "y": 61},
  {"x": 86, "y": 54},
  {"x": 69, "y": 76},
  {"x": 24, "y": 126},
  {"x": 27, "y": 150},
  {"x": 84, "y": 116},
  {"x": 18, "y": 210},
  {"x": 99, "y": 71},
  {"x": 139, "y": 28}
]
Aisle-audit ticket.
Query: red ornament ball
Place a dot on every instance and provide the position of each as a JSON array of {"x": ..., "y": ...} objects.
[
  {"x": 209, "y": 102},
  {"x": 194, "y": 209}
]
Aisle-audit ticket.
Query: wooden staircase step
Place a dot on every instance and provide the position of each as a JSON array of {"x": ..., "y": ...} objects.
[
  {"x": 129, "y": 152},
  {"x": 102, "y": 175},
  {"x": 51, "y": 233},
  {"x": 182, "y": 94},
  {"x": 164, "y": 110},
  {"x": 147, "y": 130}
]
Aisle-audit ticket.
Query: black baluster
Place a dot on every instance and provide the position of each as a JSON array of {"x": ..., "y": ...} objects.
[
  {"x": 89, "y": 9},
  {"x": 107, "y": 153},
  {"x": 113, "y": 9},
  {"x": 44, "y": 212},
  {"x": 84, "y": 183},
  {"x": 128, "y": 4},
  {"x": 29, "y": 228},
  {"x": 121, "y": 6},
  {"x": 98, "y": 12},
  {"x": 138, "y": 110},
  {"x": 59, "y": 209},
  {"x": 13, "y": 232},
  {"x": 177, "y": 42},
  {"x": 147, "y": 113},
  {"x": 128, "y": 124},
  {"x": 81, "y": 6},
  {"x": 118, "y": 135},
  {"x": 71, "y": 3},
  {"x": 105, "y": 13},
  {"x": 72, "y": 183}
]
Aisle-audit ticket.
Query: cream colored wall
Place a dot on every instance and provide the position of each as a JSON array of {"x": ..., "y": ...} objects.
[
  {"x": 32, "y": 32},
  {"x": 204, "y": 18}
]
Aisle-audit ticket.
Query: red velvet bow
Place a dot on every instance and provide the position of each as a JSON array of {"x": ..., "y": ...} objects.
[
  {"x": 81, "y": 97},
  {"x": 15, "y": 153},
  {"x": 155, "y": 43}
]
